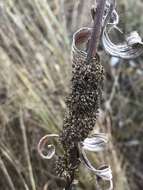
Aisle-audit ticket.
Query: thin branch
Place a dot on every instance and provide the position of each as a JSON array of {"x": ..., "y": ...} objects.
[{"x": 97, "y": 29}]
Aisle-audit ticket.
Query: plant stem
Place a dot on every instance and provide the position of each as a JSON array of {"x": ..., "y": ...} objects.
[
  {"x": 69, "y": 183},
  {"x": 97, "y": 29}
]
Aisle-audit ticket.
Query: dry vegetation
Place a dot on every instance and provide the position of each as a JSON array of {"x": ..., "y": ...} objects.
[{"x": 35, "y": 39}]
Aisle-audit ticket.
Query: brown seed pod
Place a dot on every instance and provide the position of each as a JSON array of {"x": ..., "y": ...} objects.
[{"x": 82, "y": 103}]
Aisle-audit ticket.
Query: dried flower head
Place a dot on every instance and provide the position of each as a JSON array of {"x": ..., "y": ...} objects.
[
  {"x": 85, "y": 95},
  {"x": 82, "y": 108}
]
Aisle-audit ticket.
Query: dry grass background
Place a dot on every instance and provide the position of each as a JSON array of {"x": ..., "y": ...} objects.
[{"x": 35, "y": 40}]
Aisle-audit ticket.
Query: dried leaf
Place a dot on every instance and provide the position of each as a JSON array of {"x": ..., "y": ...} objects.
[
  {"x": 95, "y": 143},
  {"x": 103, "y": 172},
  {"x": 131, "y": 48}
]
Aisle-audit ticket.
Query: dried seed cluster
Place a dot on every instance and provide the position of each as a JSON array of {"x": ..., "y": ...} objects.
[{"x": 82, "y": 108}]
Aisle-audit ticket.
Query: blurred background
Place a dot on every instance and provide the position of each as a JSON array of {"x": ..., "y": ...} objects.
[{"x": 35, "y": 70}]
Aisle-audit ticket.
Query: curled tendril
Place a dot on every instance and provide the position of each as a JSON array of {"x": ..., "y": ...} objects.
[
  {"x": 50, "y": 149},
  {"x": 96, "y": 143},
  {"x": 131, "y": 48}
]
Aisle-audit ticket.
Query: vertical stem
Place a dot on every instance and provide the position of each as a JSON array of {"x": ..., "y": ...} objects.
[
  {"x": 4, "y": 169},
  {"x": 96, "y": 32},
  {"x": 69, "y": 185},
  {"x": 27, "y": 154}
]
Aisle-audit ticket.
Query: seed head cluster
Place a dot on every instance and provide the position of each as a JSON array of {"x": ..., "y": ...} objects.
[{"x": 82, "y": 108}]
